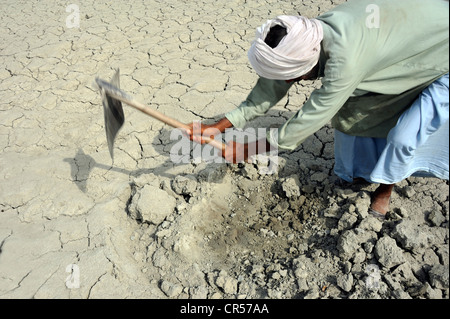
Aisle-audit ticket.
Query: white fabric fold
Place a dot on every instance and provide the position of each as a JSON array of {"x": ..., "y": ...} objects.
[{"x": 296, "y": 54}]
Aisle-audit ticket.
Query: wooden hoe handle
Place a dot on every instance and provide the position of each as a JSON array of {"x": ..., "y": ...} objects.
[{"x": 125, "y": 98}]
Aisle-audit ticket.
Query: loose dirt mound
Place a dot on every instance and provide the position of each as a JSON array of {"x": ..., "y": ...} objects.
[{"x": 238, "y": 234}]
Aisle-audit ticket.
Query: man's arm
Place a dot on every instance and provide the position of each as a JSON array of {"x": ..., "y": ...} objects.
[{"x": 265, "y": 94}]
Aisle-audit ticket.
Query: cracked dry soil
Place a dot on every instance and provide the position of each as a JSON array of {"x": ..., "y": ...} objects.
[
  {"x": 235, "y": 233},
  {"x": 75, "y": 225}
]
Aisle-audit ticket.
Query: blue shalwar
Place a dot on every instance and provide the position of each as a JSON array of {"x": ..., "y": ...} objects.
[{"x": 417, "y": 146}]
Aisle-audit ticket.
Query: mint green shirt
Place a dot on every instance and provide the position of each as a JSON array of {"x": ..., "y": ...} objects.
[{"x": 371, "y": 69}]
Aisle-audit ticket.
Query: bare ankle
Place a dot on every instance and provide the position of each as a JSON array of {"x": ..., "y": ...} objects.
[{"x": 381, "y": 198}]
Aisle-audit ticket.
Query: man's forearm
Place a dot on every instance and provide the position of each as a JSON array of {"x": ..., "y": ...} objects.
[
  {"x": 223, "y": 124},
  {"x": 264, "y": 95}
]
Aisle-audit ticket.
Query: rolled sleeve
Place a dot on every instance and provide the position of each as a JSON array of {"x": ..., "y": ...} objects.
[{"x": 322, "y": 105}]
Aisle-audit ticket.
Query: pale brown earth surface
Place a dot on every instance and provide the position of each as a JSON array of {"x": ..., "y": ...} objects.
[{"x": 147, "y": 227}]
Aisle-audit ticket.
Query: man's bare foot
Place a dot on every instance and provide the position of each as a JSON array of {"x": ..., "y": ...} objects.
[{"x": 381, "y": 198}]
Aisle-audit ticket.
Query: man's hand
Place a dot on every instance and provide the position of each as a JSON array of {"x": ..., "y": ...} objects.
[
  {"x": 235, "y": 152},
  {"x": 238, "y": 152},
  {"x": 198, "y": 130}
]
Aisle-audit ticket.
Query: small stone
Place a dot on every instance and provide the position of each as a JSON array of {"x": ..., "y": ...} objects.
[
  {"x": 439, "y": 276},
  {"x": 312, "y": 294},
  {"x": 152, "y": 205},
  {"x": 183, "y": 185},
  {"x": 347, "y": 221},
  {"x": 345, "y": 282},
  {"x": 431, "y": 293},
  {"x": 436, "y": 218},
  {"x": 200, "y": 292},
  {"x": 348, "y": 243},
  {"x": 410, "y": 236},
  {"x": 371, "y": 223},
  {"x": 257, "y": 269},
  {"x": 170, "y": 289},
  {"x": 347, "y": 267},
  {"x": 163, "y": 233},
  {"x": 230, "y": 286},
  {"x": 227, "y": 283},
  {"x": 408, "y": 191},
  {"x": 291, "y": 186},
  {"x": 388, "y": 253},
  {"x": 362, "y": 204},
  {"x": 359, "y": 257},
  {"x": 300, "y": 271},
  {"x": 332, "y": 211},
  {"x": 250, "y": 171},
  {"x": 402, "y": 211},
  {"x": 404, "y": 271}
]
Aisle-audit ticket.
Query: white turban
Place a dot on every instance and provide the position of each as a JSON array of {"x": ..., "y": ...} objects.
[{"x": 296, "y": 54}]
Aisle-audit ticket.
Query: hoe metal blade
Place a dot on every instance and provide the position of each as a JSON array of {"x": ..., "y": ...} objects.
[{"x": 113, "y": 112}]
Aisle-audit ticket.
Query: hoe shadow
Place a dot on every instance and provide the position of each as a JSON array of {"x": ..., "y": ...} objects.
[{"x": 82, "y": 164}]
